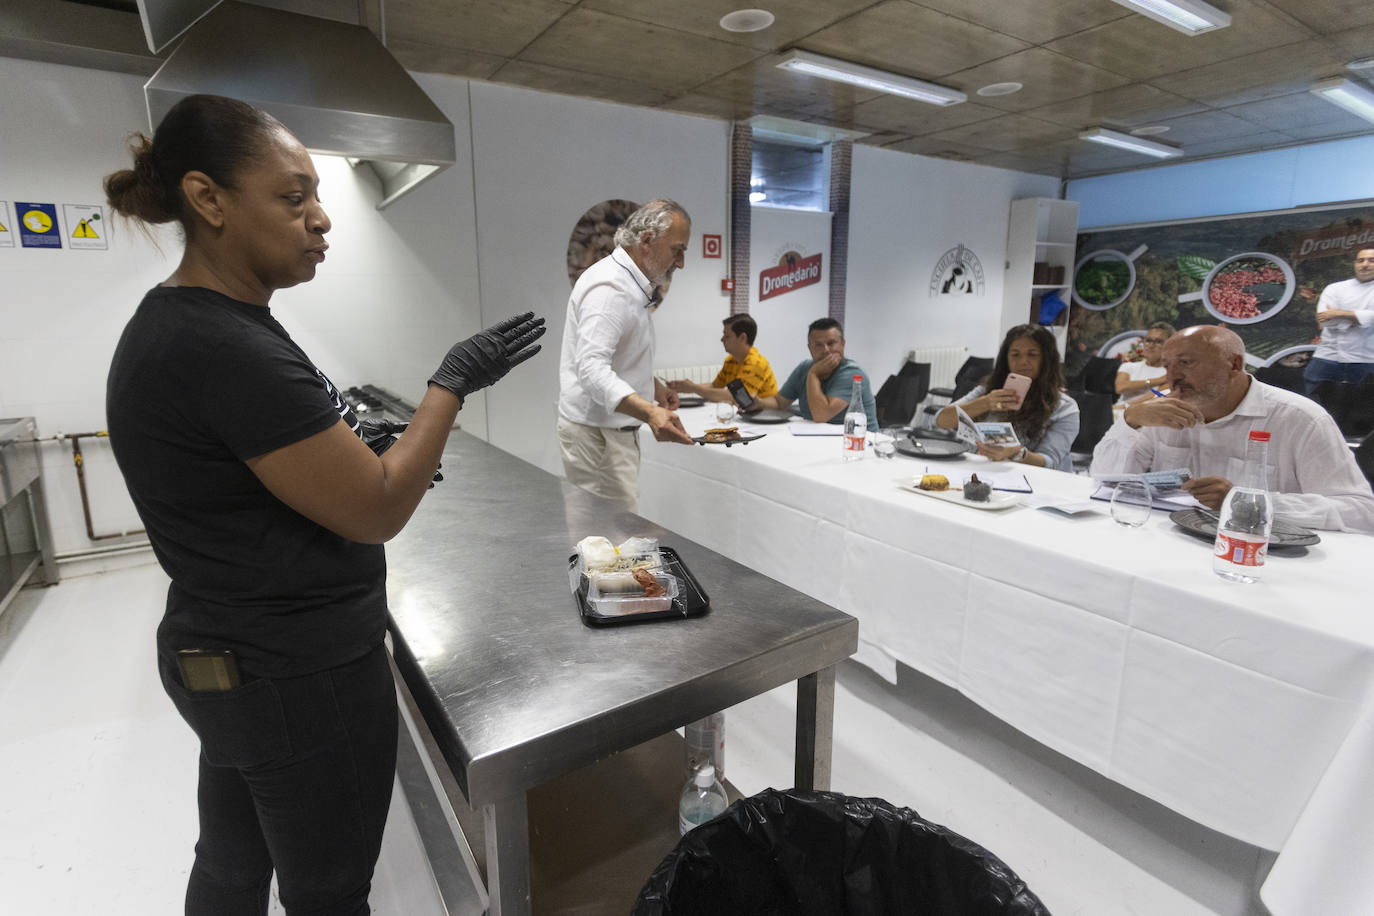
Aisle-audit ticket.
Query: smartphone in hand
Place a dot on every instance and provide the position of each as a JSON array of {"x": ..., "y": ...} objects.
[
  {"x": 743, "y": 398},
  {"x": 1020, "y": 384}
]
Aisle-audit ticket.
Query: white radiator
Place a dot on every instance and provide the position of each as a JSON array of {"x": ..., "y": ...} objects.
[
  {"x": 704, "y": 375},
  {"x": 944, "y": 362}
]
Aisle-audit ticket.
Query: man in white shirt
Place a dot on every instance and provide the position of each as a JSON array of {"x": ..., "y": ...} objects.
[
  {"x": 1345, "y": 313},
  {"x": 1205, "y": 421},
  {"x": 606, "y": 373}
]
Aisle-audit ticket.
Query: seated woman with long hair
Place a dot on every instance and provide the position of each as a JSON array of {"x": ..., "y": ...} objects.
[{"x": 1047, "y": 420}]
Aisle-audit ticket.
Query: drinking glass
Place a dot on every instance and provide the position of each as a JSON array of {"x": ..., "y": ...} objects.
[
  {"x": 1131, "y": 501},
  {"x": 885, "y": 442},
  {"x": 725, "y": 411}
]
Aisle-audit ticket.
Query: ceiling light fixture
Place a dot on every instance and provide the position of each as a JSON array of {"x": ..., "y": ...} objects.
[
  {"x": 1351, "y": 96},
  {"x": 1364, "y": 63},
  {"x": 842, "y": 71},
  {"x": 1127, "y": 142},
  {"x": 1191, "y": 17},
  {"x": 746, "y": 21},
  {"x": 1000, "y": 89},
  {"x": 1150, "y": 130}
]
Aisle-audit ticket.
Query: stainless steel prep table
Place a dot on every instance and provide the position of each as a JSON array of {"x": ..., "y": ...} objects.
[{"x": 518, "y": 691}]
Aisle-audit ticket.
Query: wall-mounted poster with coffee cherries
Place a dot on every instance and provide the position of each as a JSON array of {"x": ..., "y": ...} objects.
[
  {"x": 594, "y": 235},
  {"x": 1258, "y": 274}
]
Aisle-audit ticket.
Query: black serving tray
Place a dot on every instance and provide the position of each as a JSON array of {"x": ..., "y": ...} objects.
[
  {"x": 1202, "y": 524},
  {"x": 691, "y": 601},
  {"x": 742, "y": 440}
]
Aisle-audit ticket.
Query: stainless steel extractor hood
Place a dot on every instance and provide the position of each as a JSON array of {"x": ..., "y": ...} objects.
[{"x": 332, "y": 83}]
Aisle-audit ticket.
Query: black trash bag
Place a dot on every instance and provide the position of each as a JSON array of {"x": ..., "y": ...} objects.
[{"x": 795, "y": 852}]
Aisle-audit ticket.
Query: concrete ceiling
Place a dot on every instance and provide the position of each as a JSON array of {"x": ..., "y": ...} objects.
[{"x": 1083, "y": 63}]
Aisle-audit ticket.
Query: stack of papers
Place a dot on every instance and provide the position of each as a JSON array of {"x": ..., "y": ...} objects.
[{"x": 1166, "y": 488}]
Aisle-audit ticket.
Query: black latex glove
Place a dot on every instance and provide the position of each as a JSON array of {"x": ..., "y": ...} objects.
[
  {"x": 380, "y": 434},
  {"x": 485, "y": 357}
]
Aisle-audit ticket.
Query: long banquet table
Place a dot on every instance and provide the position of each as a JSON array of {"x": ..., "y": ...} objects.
[
  {"x": 1248, "y": 709},
  {"x": 517, "y": 691}
]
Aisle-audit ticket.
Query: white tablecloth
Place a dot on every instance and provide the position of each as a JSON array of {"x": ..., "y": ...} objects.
[{"x": 1246, "y": 708}]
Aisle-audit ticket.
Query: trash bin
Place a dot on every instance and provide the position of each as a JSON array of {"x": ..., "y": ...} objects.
[{"x": 795, "y": 852}]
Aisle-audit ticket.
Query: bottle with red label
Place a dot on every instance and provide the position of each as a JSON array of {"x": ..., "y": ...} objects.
[
  {"x": 855, "y": 422},
  {"x": 1246, "y": 516}
]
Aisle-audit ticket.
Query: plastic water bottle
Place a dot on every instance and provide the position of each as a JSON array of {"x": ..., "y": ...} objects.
[
  {"x": 1246, "y": 517},
  {"x": 706, "y": 743},
  {"x": 702, "y": 799},
  {"x": 855, "y": 422}
]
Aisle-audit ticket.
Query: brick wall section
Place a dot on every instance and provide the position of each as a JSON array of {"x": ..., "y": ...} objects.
[
  {"x": 741, "y": 168},
  {"x": 841, "y": 159}
]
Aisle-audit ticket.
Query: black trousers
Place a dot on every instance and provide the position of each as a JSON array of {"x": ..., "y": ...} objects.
[{"x": 295, "y": 777}]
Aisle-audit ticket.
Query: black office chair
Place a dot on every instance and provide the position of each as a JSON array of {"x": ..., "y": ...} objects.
[
  {"x": 1099, "y": 375},
  {"x": 1364, "y": 457},
  {"x": 974, "y": 369},
  {"x": 1351, "y": 406},
  {"x": 1287, "y": 377},
  {"x": 901, "y": 394},
  {"x": 1094, "y": 419}
]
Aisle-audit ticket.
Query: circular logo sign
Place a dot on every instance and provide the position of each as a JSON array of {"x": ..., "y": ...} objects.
[{"x": 958, "y": 272}]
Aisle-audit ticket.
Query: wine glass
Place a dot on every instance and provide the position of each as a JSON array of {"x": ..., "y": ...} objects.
[
  {"x": 1131, "y": 502},
  {"x": 725, "y": 411}
]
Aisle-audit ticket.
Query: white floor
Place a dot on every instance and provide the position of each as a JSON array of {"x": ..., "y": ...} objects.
[{"x": 97, "y": 779}]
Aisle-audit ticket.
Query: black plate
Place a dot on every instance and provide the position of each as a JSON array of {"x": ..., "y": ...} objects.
[
  {"x": 767, "y": 416},
  {"x": 1203, "y": 524},
  {"x": 742, "y": 440},
  {"x": 691, "y": 600},
  {"x": 922, "y": 447},
  {"x": 690, "y": 400}
]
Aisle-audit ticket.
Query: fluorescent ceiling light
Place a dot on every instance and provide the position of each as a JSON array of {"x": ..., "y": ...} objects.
[
  {"x": 1191, "y": 17},
  {"x": 799, "y": 133},
  {"x": 1127, "y": 142},
  {"x": 842, "y": 71},
  {"x": 1351, "y": 96}
]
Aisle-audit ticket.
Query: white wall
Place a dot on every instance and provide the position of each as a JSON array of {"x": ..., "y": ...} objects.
[
  {"x": 1275, "y": 180},
  {"x": 398, "y": 286},
  {"x": 783, "y": 318},
  {"x": 905, "y": 212},
  {"x": 541, "y": 161}
]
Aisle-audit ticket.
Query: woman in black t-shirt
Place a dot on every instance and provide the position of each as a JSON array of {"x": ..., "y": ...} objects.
[{"x": 267, "y": 502}]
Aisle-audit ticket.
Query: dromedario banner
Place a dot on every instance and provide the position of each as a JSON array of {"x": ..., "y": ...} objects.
[{"x": 1259, "y": 274}]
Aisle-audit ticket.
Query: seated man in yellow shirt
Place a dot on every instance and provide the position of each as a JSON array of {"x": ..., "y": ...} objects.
[{"x": 744, "y": 362}]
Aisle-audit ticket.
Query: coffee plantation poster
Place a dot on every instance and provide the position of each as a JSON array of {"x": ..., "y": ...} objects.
[{"x": 1259, "y": 274}]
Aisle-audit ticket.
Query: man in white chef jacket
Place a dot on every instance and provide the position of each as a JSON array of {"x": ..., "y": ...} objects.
[
  {"x": 606, "y": 379},
  {"x": 1345, "y": 313},
  {"x": 1204, "y": 423}
]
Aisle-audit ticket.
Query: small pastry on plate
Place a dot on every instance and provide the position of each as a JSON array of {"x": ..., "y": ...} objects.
[{"x": 933, "y": 482}]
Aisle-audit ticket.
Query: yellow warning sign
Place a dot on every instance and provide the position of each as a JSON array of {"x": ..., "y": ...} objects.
[
  {"x": 37, "y": 221},
  {"x": 86, "y": 227}
]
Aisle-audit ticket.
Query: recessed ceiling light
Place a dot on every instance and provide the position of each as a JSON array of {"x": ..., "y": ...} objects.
[
  {"x": 843, "y": 71},
  {"x": 1000, "y": 89},
  {"x": 746, "y": 21},
  {"x": 1150, "y": 130},
  {"x": 1127, "y": 142},
  {"x": 1366, "y": 63}
]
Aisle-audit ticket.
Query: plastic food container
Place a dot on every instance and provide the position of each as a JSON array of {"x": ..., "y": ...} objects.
[
  {"x": 684, "y": 596},
  {"x": 616, "y": 604}
]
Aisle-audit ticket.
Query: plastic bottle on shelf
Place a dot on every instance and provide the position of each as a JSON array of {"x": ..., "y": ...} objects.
[
  {"x": 702, "y": 799},
  {"x": 706, "y": 743},
  {"x": 1246, "y": 516},
  {"x": 855, "y": 422}
]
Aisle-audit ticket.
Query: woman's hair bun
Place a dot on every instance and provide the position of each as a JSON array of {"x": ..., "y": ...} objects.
[{"x": 139, "y": 192}]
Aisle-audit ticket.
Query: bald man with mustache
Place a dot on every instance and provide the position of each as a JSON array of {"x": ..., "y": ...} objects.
[{"x": 1204, "y": 423}]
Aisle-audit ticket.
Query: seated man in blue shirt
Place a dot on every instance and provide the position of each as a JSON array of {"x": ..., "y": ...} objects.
[{"x": 822, "y": 385}]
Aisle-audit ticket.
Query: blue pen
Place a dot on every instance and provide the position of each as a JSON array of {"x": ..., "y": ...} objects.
[{"x": 1157, "y": 393}]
